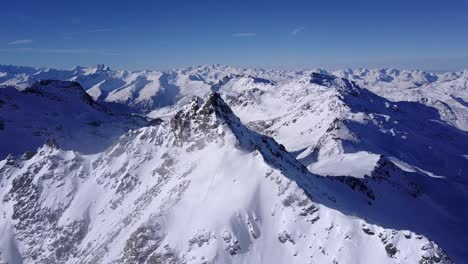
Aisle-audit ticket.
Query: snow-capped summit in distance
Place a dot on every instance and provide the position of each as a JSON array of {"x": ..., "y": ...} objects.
[{"x": 219, "y": 164}]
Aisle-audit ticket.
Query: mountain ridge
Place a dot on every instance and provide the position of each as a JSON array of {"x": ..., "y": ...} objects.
[
  {"x": 205, "y": 132},
  {"x": 230, "y": 163}
]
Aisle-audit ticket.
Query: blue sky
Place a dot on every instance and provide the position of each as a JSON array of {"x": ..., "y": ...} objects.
[{"x": 430, "y": 35}]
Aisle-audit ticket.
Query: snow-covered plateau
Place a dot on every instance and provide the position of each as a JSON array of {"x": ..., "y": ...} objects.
[{"x": 218, "y": 164}]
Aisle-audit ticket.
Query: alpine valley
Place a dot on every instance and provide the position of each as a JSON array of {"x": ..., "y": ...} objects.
[{"x": 218, "y": 164}]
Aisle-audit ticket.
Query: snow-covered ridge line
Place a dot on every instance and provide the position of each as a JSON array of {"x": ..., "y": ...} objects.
[{"x": 61, "y": 110}]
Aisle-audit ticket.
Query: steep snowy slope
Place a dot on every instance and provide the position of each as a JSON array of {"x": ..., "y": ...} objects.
[
  {"x": 325, "y": 120},
  {"x": 61, "y": 110},
  {"x": 202, "y": 188},
  {"x": 447, "y": 92},
  {"x": 337, "y": 128}
]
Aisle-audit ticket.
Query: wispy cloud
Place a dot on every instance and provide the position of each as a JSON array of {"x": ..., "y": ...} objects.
[
  {"x": 244, "y": 34},
  {"x": 297, "y": 30},
  {"x": 20, "y": 42}
]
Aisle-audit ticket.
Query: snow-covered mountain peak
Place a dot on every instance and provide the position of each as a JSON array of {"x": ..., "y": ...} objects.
[
  {"x": 60, "y": 90},
  {"x": 331, "y": 81},
  {"x": 61, "y": 110},
  {"x": 204, "y": 120},
  {"x": 221, "y": 192},
  {"x": 237, "y": 166},
  {"x": 97, "y": 69}
]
